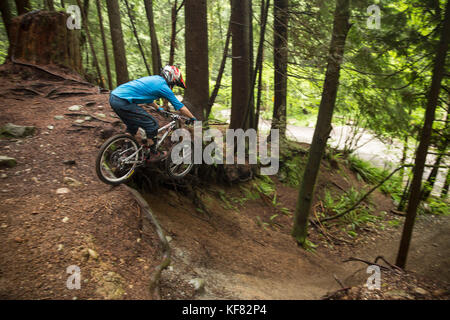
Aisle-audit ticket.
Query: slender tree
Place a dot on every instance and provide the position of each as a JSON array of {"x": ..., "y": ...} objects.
[
  {"x": 341, "y": 27},
  {"x": 6, "y": 16},
  {"x": 259, "y": 60},
  {"x": 422, "y": 150},
  {"x": 91, "y": 44},
  {"x": 23, "y": 6},
  {"x": 174, "y": 31},
  {"x": 156, "y": 54},
  {"x": 444, "y": 191},
  {"x": 215, "y": 91},
  {"x": 240, "y": 68},
  {"x": 280, "y": 56},
  {"x": 105, "y": 47},
  {"x": 196, "y": 52},
  {"x": 85, "y": 8},
  {"x": 133, "y": 27},
  {"x": 49, "y": 5},
  {"x": 254, "y": 119},
  {"x": 442, "y": 144},
  {"x": 251, "y": 97},
  {"x": 115, "y": 26}
]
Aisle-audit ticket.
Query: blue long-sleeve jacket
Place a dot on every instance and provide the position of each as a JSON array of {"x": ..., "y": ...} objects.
[{"x": 146, "y": 90}]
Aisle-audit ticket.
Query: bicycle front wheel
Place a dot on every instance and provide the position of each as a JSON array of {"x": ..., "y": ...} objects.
[{"x": 177, "y": 169}]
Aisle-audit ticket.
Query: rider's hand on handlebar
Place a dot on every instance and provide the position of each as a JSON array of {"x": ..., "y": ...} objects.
[{"x": 191, "y": 120}]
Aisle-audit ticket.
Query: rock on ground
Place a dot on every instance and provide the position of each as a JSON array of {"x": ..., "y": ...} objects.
[
  {"x": 17, "y": 131},
  {"x": 6, "y": 161}
]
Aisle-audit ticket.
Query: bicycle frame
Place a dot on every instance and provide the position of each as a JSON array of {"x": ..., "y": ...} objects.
[{"x": 168, "y": 127}]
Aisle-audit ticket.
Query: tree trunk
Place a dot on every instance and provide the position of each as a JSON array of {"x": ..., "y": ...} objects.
[
  {"x": 442, "y": 147},
  {"x": 280, "y": 57},
  {"x": 251, "y": 97},
  {"x": 258, "y": 68},
  {"x": 260, "y": 59},
  {"x": 120, "y": 58},
  {"x": 85, "y": 8},
  {"x": 23, "y": 6},
  {"x": 444, "y": 191},
  {"x": 405, "y": 151},
  {"x": 6, "y": 16},
  {"x": 133, "y": 27},
  {"x": 422, "y": 150},
  {"x": 49, "y": 5},
  {"x": 63, "y": 5},
  {"x": 405, "y": 194},
  {"x": 240, "y": 69},
  {"x": 91, "y": 44},
  {"x": 429, "y": 184},
  {"x": 156, "y": 54},
  {"x": 105, "y": 48},
  {"x": 173, "y": 34},
  {"x": 42, "y": 38},
  {"x": 196, "y": 49},
  {"x": 220, "y": 73},
  {"x": 341, "y": 27},
  {"x": 258, "y": 96}
]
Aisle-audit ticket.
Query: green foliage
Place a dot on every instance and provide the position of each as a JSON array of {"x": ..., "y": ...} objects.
[
  {"x": 394, "y": 223},
  {"x": 354, "y": 219},
  {"x": 293, "y": 162},
  {"x": 226, "y": 203},
  {"x": 261, "y": 223},
  {"x": 374, "y": 175},
  {"x": 265, "y": 185},
  {"x": 250, "y": 194},
  {"x": 309, "y": 246},
  {"x": 438, "y": 206}
]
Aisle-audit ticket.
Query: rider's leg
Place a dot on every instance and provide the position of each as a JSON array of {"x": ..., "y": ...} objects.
[
  {"x": 134, "y": 117},
  {"x": 121, "y": 107}
]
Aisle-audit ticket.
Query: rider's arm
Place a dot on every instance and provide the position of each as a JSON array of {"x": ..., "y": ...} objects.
[
  {"x": 169, "y": 95},
  {"x": 185, "y": 111},
  {"x": 154, "y": 105}
]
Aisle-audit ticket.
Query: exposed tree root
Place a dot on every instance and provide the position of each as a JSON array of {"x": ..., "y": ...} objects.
[
  {"x": 69, "y": 93},
  {"x": 156, "y": 275},
  {"x": 49, "y": 72},
  {"x": 390, "y": 267}
]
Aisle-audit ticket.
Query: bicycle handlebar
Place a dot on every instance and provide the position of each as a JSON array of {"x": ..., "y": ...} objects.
[{"x": 173, "y": 115}]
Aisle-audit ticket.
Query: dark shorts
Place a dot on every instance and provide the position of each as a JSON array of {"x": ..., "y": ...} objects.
[{"x": 134, "y": 116}]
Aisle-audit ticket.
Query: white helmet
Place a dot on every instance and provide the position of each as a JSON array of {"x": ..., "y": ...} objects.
[{"x": 173, "y": 76}]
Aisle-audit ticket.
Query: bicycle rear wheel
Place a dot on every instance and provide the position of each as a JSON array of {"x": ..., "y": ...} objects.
[{"x": 117, "y": 159}]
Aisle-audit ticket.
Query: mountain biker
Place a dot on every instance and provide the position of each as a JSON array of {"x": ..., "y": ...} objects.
[{"x": 124, "y": 100}]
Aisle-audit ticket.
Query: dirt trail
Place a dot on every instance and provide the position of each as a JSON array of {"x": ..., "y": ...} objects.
[
  {"x": 240, "y": 260},
  {"x": 429, "y": 254},
  {"x": 237, "y": 258},
  {"x": 100, "y": 228}
]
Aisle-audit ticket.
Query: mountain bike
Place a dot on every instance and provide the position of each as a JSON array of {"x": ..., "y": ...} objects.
[{"x": 120, "y": 155}]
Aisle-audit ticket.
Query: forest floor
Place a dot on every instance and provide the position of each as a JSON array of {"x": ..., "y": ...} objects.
[{"x": 235, "y": 248}]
